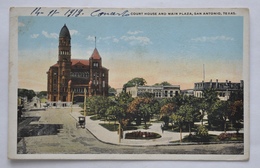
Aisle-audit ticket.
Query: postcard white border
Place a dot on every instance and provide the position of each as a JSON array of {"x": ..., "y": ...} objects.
[{"x": 13, "y": 80}]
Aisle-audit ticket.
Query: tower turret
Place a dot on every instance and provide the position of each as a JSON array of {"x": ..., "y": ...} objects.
[{"x": 64, "y": 63}]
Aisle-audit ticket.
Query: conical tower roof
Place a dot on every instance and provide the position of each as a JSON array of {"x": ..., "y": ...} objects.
[
  {"x": 95, "y": 54},
  {"x": 64, "y": 32}
]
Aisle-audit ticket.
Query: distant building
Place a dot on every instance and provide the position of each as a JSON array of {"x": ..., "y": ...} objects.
[
  {"x": 118, "y": 91},
  {"x": 158, "y": 91},
  {"x": 187, "y": 92},
  {"x": 224, "y": 89},
  {"x": 74, "y": 75}
]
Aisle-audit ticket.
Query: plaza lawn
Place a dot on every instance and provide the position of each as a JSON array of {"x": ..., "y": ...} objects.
[
  {"x": 224, "y": 137},
  {"x": 114, "y": 127}
]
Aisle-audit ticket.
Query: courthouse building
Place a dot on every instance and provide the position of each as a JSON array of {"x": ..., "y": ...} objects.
[{"x": 74, "y": 75}]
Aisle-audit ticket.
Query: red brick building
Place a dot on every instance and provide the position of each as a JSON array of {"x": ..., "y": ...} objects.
[{"x": 73, "y": 75}]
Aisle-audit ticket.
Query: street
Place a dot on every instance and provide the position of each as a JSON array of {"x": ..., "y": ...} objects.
[{"x": 54, "y": 132}]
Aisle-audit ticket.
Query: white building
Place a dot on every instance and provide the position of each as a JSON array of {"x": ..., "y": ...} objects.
[
  {"x": 224, "y": 89},
  {"x": 158, "y": 91}
]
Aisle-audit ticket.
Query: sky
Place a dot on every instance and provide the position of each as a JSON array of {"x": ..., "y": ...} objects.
[{"x": 157, "y": 49}]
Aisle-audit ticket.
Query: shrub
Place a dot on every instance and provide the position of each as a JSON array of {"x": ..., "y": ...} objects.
[
  {"x": 202, "y": 131},
  {"x": 142, "y": 135},
  {"x": 231, "y": 137}
]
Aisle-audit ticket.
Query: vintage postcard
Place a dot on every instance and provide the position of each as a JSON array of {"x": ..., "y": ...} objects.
[{"x": 129, "y": 84}]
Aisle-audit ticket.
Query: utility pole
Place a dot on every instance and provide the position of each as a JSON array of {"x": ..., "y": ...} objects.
[
  {"x": 119, "y": 132},
  {"x": 85, "y": 102},
  {"x": 203, "y": 72},
  {"x": 72, "y": 101}
]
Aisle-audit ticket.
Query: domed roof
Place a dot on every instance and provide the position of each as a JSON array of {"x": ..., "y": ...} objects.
[{"x": 64, "y": 32}]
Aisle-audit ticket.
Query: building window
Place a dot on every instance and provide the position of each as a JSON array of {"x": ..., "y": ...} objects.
[
  {"x": 171, "y": 93},
  {"x": 176, "y": 93},
  {"x": 104, "y": 84},
  {"x": 95, "y": 64},
  {"x": 165, "y": 94}
]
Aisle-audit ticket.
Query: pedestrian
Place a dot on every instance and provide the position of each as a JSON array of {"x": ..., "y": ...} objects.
[{"x": 162, "y": 128}]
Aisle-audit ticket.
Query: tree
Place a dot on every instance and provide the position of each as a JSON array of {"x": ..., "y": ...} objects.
[
  {"x": 166, "y": 111},
  {"x": 98, "y": 104},
  {"x": 236, "y": 95},
  {"x": 210, "y": 96},
  {"x": 111, "y": 91},
  {"x": 178, "y": 119},
  {"x": 189, "y": 114},
  {"x": 143, "y": 108},
  {"x": 26, "y": 93},
  {"x": 237, "y": 114},
  {"x": 134, "y": 82},
  {"x": 42, "y": 94},
  {"x": 164, "y": 83},
  {"x": 219, "y": 114},
  {"x": 122, "y": 102},
  {"x": 117, "y": 112},
  {"x": 146, "y": 95}
]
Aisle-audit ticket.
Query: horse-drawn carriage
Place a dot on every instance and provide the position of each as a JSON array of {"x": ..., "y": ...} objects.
[{"x": 81, "y": 122}]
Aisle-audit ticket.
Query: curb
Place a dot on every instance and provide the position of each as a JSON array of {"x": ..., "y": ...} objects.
[{"x": 167, "y": 144}]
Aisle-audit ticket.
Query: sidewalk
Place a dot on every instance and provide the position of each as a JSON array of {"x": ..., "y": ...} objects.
[
  {"x": 106, "y": 136},
  {"x": 110, "y": 137}
]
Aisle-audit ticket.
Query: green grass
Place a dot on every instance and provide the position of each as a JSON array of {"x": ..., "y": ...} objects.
[
  {"x": 95, "y": 117},
  {"x": 88, "y": 113},
  {"x": 110, "y": 127},
  {"x": 212, "y": 138},
  {"x": 194, "y": 138},
  {"x": 43, "y": 100},
  {"x": 114, "y": 127}
]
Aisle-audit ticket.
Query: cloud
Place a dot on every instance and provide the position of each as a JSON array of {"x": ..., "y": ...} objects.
[
  {"x": 74, "y": 32},
  {"x": 136, "y": 40},
  {"x": 21, "y": 24},
  {"x": 34, "y": 36},
  {"x": 50, "y": 35},
  {"x": 108, "y": 38},
  {"x": 91, "y": 38},
  {"x": 134, "y": 32},
  {"x": 212, "y": 39},
  {"x": 115, "y": 40}
]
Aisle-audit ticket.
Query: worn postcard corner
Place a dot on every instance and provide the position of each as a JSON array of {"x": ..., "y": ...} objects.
[{"x": 129, "y": 84}]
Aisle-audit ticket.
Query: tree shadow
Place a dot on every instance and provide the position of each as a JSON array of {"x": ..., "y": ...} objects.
[{"x": 39, "y": 130}]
